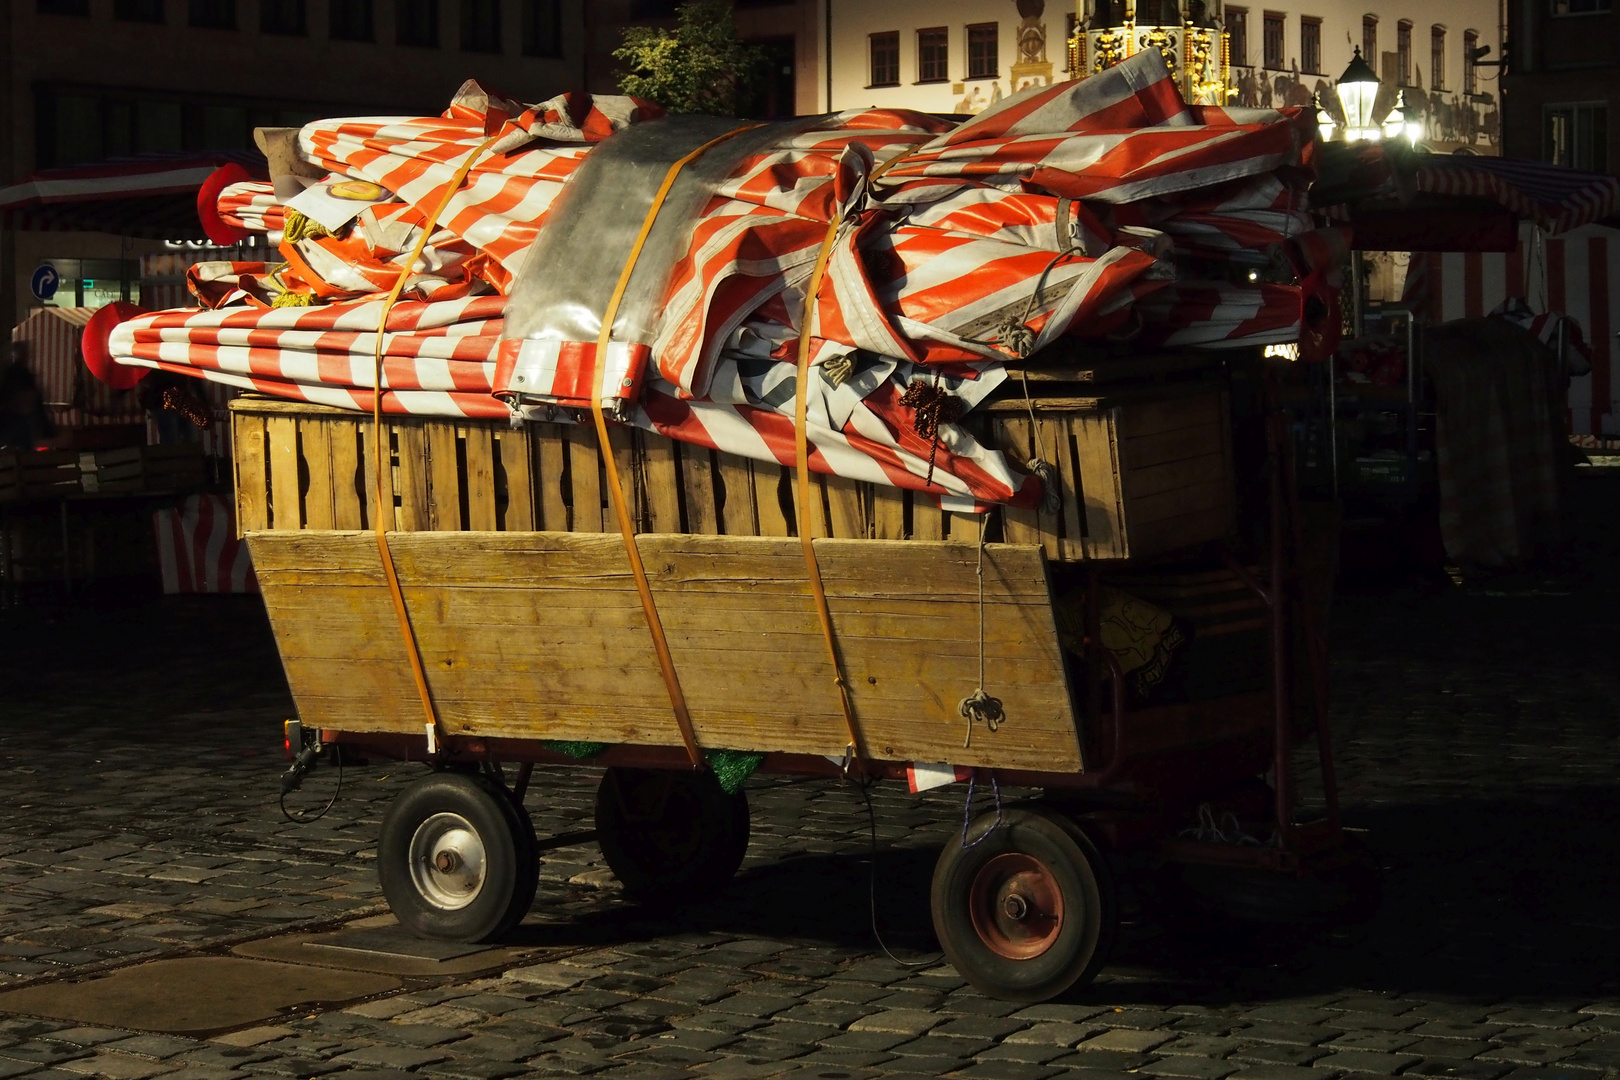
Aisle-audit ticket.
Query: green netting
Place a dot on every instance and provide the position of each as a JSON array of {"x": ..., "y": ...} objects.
[
  {"x": 578, "y": 750},
  {"x": 732, "y": 767}
]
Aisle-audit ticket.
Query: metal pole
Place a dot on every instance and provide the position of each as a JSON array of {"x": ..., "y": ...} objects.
[{"x": 827, "y": 14}]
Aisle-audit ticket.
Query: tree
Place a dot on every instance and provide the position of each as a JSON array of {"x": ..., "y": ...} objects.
[{"x": 699, "y": 67}]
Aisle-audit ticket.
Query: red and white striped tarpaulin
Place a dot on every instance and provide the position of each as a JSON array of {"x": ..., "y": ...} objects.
[
  {"x": 1575, "y": 274},
  {"x": 148, "y": 195},
  {"x": 1553, "y": 197},
  {"x": 198, "y": 551},
  {"x": 72, "y": 396},
  {"x": 1104, "y": 207}
]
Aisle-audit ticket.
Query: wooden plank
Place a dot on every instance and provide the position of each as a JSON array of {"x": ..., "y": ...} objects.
[
  {"x": 348, "y": 498},
  {"x": 370, "y": 460},
  {"x": 252, "y": 484},
  {"x": 888, "y": 512},
  {"x": 1074, "y": 488},
  {"x": 444, "y": 477},
  {"x": 480, "y": 457},
  {"x": 768, "y": 499},
  {"x": 252, "y": 405},
  {"x": 1046, "y": 436},
  {"x": 736, "y": 495},
  {"x": 412, "y": 470},
  {"x": 540, "y": 635},
  {"x": 512, "y": 448},
  {"x": 697, "y": 487},
  {"x": 846, "y": 510},
  {"x": 585, "y": 479},
  {"x": 1104, "y": 498},
  {"x": 1140, "y": 418},
  {"x": 1145, "y": 509},
  {"x": 315, "y": 440},
  {"x": 281, "y": 437},
  {"x": 926, "y": 523},
  {"x": 1188, "y": 472},
  {"x": 1177, "y": 445},
  {"x": 1020, "y": 524},
  {"x": 625, "y": 456},
  {"x": 551, "y": 454},
  {"x": 1180, "y": 531},
  {"x": 660, "y": 474}
]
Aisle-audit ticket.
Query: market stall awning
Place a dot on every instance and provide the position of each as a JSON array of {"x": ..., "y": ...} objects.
[
  {"x": 152, "y": 196},
  {"x": 1413, "y": 201}
]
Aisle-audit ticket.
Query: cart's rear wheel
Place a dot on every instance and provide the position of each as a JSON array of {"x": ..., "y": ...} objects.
[
  {"x": 1025, "y": 909},
  {"x": 668, "y": 835},
  {"x": 448, "y": 858},
  {"x": 527, "y": 845}
]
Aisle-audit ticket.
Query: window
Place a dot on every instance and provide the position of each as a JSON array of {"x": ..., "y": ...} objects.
[
  {"x": 1273, "y": 43},
  {"x": 1369, "y": 40},
  {"x": 147, "y": 11},
  {"x": 78, "y": 124},
  {"x": 282, "y": 17},
  {"x": 542, "y": 28},
  {"x": 1470, "y": 72},
  {"x": 1577, "y": 136},
  {"x": 1403, "y": 52},
  {"x": 1237, "y": 31},
  {"x": 1437, "y": 58},
  {"x": 983, "y": 61},
  {"x": 63, "y": 7},
  {"x": 933, "y": 55},
  {"x": 1580, "y": 7},
  {"x": 212, "y": 14},
  {"x": 416, "y": 22},
  {"x": 481, "y": 26},
  {"x": 1310, "y": 44},
  {"x": 885, "y": 53},
  {"x": 349, "y": 20}
]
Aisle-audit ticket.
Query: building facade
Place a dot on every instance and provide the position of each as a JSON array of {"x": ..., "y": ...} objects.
[
  {"x": 85, "y": 80},
  {"x": 1563, "y": 81}
]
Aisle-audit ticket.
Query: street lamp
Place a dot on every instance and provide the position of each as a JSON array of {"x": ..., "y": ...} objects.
[{"x": 1357, "y": 89}]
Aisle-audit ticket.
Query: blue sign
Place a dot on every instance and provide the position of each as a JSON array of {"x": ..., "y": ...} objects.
[{"x": 45, "y": 281}]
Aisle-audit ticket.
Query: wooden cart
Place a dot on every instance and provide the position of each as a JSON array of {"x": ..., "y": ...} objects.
[{"x": 536, "y": 650}]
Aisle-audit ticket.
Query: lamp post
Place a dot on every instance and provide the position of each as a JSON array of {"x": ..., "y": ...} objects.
[{"x": 1357, "y": 90}]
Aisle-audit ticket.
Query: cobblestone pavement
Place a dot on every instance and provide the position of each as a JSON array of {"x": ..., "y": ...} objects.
[{"x": 1478, "y": 742}]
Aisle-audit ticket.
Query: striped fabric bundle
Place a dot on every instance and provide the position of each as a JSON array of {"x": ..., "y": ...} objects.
[{"x": 1086, "y": 209}]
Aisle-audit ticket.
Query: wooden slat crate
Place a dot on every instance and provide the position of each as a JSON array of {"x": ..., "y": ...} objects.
[
  {"x": 1136, "y": 478},
  {"x": 130, "y": 470},
  {"x": 38, "y": 474}
]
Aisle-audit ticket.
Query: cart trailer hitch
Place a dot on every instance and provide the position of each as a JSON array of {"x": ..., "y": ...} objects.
[{"x": 302, "y": 749}]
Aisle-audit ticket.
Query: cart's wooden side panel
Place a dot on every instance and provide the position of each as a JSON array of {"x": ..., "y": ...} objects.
[{"x": 540, "y": 635}]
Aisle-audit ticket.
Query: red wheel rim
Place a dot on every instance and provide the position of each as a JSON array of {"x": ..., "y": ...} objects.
[{"x": 1016, "y": 906}]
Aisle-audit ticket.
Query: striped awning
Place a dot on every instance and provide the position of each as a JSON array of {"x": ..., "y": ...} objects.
[
  {"x": 1552, "y": 196},
  {"x": 153, "y": 196}
]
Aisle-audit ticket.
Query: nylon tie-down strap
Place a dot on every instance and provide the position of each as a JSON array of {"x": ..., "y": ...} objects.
[
  {"x": 666, "y": 663},
  {"x": 383, "y": 511},
  {"x": 801, "y": 450}
]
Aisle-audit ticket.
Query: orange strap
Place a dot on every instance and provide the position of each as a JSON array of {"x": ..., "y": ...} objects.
[
  {"x": 801, "y": 449},
  {"x": 384, "y": 512},
  {"x": 666, "y": 663}
]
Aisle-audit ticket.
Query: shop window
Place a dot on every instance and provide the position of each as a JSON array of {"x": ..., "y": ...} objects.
[
  {"x": 211, "y": 14},
  {"x": 1581, "y": 7},
  {"x": 349, "y": 20},
  {"x": 146, "y": 11},
  {"x": 481, "y": 26},
  {"x": 1437, "y": 58},
  {"x": 282, "y": 17},
  {"x": 933, "y": 55},
  {"x": 1273, "y": 43},
  {"x": 542, "y": 28},
  {"x": 1310, "y": 45},
  {"x": 1237, "y": 34},
  {"x": 416, "y": 22},
  {"x": 1577, "y": 135},
  {"x": 885, "y": 59},
  {"x": 1403, "y": 52},
  {"x": 983, "y": 47}
]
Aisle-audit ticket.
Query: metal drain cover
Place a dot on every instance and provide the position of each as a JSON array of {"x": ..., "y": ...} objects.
[
  {"x": 392, "y": 941},
  {"x": 194, "y": 994}
]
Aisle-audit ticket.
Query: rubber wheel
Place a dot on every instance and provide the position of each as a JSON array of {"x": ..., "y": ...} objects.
[
  {"x": 448, "y": 858},
  {"x": 669, "y": 836},
  {"x": 527, "y": 846},
  {"x": 1027, "y": 909}
]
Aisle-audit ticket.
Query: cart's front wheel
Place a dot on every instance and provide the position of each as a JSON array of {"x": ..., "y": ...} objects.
[
  {"x": 448, "y": 858},
  {"x": 667, "y": 835},
  {"x": 1025, "y": 908}
]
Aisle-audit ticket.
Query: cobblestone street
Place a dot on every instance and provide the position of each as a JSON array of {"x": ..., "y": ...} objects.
[{"x": 1477, "y": 737}]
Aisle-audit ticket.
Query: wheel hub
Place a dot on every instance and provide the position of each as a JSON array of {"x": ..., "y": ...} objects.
[
  {"x": 1016, "y": 906},
  {"x": 448, "y": 862}
]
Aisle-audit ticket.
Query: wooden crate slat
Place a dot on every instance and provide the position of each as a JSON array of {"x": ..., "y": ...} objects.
[
  {"x": 444, "y": 478},
  {"x": 315, "y": 440},
  {"x": 281, "y": 437},
  {"x": 846, "y": 507},
  {"x": 412, "y": 468},
  {"x": 513, "y": 453},
  {"x": 479, "y": 451},
  {"x": 736, "y": 496},
  {"x": 698, "y": 490},
  {"x": 661, "y": 480},
  {"x": 348, "y": 498},
  {"x": 552, "y": 479},
  {"x": 252, "y": 482},
  {"x": 888, "y": 513},
  {"x": 585, "y": 476},
  {"x": 768, "y": 479},
  {"x": 926, "y": 523}
]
